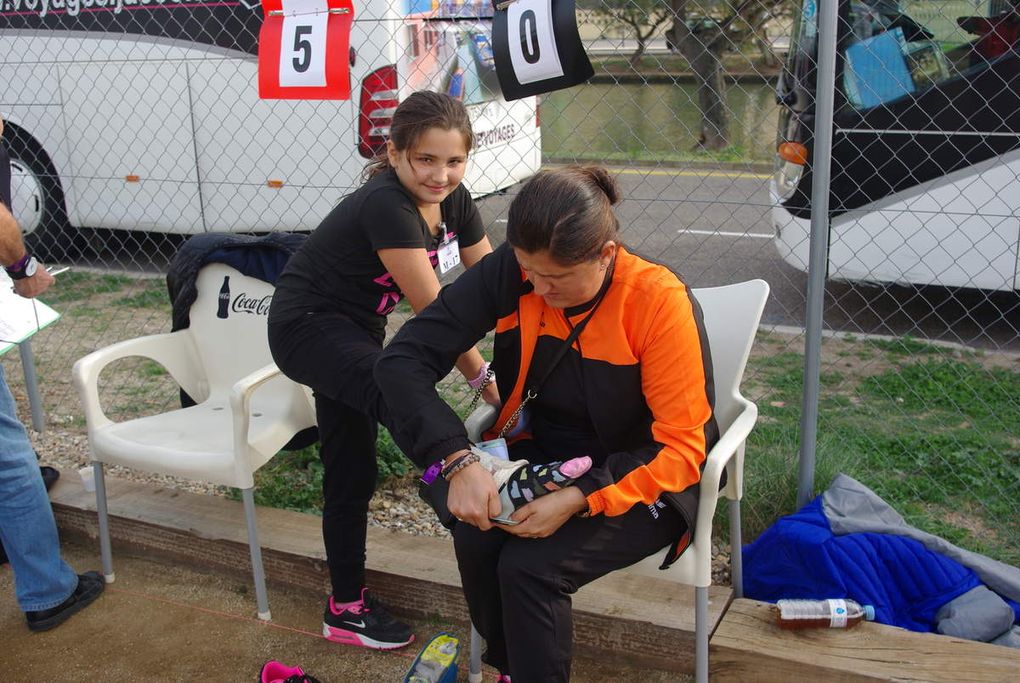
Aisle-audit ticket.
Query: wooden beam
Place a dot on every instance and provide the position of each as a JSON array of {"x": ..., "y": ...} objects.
[{"x": 748, "y": 647}]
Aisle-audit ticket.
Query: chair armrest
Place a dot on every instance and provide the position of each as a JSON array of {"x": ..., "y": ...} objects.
[
  {"x": 730, "y": 444},
  {"x": 240, "y": 403},
  {"x": 173, "y": 351},
  {"x": 480, "y": 419},
  {"x": 241, "y": 393}
]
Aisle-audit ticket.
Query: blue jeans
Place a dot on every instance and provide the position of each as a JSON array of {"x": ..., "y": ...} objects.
[{"x": 41, "y": 577}]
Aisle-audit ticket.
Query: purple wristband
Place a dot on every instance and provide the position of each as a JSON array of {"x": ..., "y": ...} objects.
[
  {"x": 20, "y": 264},
  {"x": 431, "y": 472}
]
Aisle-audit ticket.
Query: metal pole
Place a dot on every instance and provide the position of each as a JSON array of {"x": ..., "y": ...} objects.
[
  {"x": 32, "y": 385},
  {"x": 819, "y": 247}
]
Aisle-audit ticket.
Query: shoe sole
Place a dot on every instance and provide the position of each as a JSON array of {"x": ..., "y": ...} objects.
[
  {"x": 58, "y": 619},
  {"x": 339, "y": 635}
]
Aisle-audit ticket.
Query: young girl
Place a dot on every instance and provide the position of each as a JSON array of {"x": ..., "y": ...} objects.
[{"x": 328, "y": 318}]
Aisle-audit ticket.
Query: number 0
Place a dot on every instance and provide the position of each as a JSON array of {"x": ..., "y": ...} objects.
[
  {"x": 304, "y": 47},
  {"x": 529, "y": 36}
]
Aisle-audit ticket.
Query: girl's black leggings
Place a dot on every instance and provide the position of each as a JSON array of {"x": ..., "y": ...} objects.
[{"x": 334, "y": 356}]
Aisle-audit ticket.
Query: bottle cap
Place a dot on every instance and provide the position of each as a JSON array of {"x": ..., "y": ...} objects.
[{"x": 869, "y": 612}]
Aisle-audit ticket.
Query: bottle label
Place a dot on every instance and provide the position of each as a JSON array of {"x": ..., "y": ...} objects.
[{"x": 837, "y": 613}]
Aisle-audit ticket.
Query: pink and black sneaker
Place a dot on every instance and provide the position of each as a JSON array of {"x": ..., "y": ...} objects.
[{"x": 365, "y": 623}]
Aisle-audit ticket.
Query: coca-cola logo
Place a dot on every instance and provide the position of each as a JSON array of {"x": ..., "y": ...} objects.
[{"x": 243, "y": 303}]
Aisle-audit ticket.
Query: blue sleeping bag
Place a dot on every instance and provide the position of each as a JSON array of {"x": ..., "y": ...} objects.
[{"x": 800, "y": 557}]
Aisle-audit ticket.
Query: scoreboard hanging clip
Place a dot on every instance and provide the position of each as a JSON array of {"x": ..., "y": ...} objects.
[{"x": 331, "y": 10}]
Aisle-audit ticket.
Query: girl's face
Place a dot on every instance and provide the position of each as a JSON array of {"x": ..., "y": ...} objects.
[
  {"x": 565, "y": 286},
  {"x": 433, "y": 167}
]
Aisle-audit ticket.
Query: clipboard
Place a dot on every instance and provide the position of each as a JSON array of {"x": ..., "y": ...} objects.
[{"x": 20, "y": 318}]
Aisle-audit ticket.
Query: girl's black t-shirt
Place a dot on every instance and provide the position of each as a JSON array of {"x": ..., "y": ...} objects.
[{"x": 338, "y": 269}]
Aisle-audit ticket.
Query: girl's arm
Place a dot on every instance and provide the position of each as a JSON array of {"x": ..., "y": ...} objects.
[
  {"x": 413, "y": 273},
  {"x": 469, "y": 256}
]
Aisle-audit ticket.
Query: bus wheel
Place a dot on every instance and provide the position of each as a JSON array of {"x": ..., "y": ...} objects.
[{"x": 37, "y": 199}]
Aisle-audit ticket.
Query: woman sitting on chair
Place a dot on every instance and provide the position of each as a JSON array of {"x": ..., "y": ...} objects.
[{"x": 601, "y": 353}]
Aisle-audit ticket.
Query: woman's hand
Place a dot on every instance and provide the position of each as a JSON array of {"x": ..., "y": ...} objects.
[
  {"x": 472, "y": 497},
  {"x": 543, "y": 516}
]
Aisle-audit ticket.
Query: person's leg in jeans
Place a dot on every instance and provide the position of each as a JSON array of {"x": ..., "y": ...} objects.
[{"x": 42, "y": 579}]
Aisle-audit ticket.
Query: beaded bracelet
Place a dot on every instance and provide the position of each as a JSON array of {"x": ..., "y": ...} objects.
[{"x": 459, "y": 464}]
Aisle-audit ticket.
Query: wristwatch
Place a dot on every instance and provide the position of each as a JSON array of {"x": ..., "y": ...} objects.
[{"x": 23, "y": 267}]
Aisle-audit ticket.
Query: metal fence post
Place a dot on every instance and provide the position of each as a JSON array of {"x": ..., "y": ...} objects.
[
  {"x": 819, "y": 247},
  {"x": 32, "y": 385}
]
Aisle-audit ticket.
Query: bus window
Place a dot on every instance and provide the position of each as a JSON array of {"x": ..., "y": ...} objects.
[{"x": 899, "y": 48}]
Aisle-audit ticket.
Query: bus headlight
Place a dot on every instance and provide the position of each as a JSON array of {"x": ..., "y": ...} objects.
[{"x": 787, "y": 176}]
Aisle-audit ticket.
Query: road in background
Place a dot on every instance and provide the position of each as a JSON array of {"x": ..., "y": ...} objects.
[{"x": 714, "y": 228}]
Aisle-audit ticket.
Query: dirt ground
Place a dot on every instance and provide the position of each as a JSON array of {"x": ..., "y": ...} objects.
[{"x": 160, "y": 622}]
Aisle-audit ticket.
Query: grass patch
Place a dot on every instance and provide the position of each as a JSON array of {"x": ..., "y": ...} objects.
[
  {"x": 153, "y": 295},
  {"x": 293, "y": 479},
  {"x": 936, "y": 438},
  {"x": 72, "y": 286},
  {"x": 731, "y": 154}
]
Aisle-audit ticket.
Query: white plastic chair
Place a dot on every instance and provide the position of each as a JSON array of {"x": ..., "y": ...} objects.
[
  {"x": 731, "y": 316},
  {"x": 246, "y": 409}
]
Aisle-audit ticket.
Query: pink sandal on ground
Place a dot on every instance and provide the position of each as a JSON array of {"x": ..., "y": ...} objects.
[{"x": 277, "y": 672}]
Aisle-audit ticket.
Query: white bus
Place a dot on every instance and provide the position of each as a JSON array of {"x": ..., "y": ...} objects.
[
  {"x": 145, "y": 114},
  {"x": 925, "y": 185}
]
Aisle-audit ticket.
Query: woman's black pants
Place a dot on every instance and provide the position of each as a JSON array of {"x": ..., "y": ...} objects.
[{"x": 518, "y": 589}]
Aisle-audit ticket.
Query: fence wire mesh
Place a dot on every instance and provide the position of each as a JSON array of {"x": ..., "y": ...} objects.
[{"x": 132, "y": 125}]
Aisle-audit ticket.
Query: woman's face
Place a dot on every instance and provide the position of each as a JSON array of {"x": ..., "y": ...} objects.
[
  {"x": 565, "y": 286},
  {"x": 433, "y": 167}
]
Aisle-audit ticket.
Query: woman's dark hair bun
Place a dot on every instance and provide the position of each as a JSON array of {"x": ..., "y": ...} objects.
[{"x": 600, "y": 176}]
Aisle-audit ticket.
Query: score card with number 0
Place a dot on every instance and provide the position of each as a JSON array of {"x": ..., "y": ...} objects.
[
  {"x": 537, "y": 47},
  {"x": 303, "y": 50}
]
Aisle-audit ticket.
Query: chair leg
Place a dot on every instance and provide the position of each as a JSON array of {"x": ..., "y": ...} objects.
[
  {"x": 475, "y": 666},
  {"x": 256, "y": 555},
  {"x": 105, "y": 553},
  {"x": 736, "y": 551},
  {"x": 701, "y": 635}
]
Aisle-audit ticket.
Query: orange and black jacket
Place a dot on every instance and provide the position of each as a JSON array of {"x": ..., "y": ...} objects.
[{"x": 644, "y": 358}]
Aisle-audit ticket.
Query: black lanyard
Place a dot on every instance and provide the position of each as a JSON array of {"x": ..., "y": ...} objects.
[{"x": 531, "y": 392}]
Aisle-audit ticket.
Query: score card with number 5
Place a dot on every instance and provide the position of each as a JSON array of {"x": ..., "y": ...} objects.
[{"x": 303, "y": 50}]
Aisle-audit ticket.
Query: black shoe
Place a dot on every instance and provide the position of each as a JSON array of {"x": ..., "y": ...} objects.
[
  {"x": 49, "y": 476},
  {"x": 367, "y": 623},
  {"x": 90, "y": 585}
]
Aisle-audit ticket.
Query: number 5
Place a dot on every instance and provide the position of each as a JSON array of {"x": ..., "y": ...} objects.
[{"x": 303, "y": 46}]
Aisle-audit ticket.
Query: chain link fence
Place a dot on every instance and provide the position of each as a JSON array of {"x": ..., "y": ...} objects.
[{"x": 134, "y": 124}]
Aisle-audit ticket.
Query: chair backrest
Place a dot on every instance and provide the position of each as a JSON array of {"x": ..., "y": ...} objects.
[
  {"x": 732, "y": 313},
  {"x": 228, "y": 325}
]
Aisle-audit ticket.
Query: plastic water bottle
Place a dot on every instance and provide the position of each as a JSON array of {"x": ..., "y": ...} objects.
[{"x": 822, "y": 613}]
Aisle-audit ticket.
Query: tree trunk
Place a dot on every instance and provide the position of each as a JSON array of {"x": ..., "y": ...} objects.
[
  {"x": 708, "y": 75},
  {"x": 635, "y": 59}
]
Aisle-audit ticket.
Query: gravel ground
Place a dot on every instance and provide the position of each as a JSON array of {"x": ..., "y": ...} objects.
[{"x": 395, "y": 506}]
